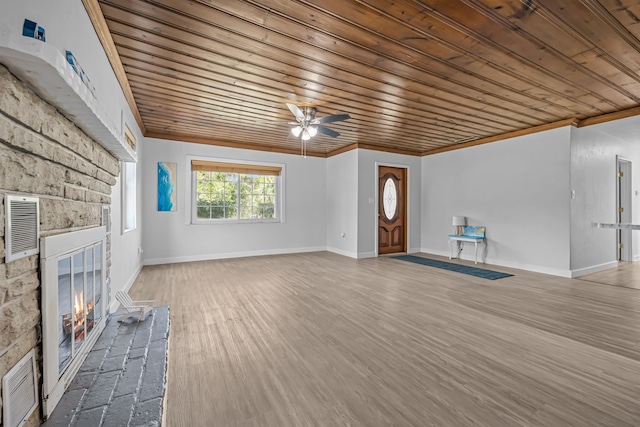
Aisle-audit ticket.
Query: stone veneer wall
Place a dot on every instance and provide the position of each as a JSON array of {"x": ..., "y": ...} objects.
[{"x": 45, "y": 155}]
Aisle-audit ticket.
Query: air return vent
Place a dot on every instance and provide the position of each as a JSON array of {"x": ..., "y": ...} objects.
[
  {"x": 23, "y": 227},
  {"x": 106, "y": 217},
  {"x": 19, "y": 392}
]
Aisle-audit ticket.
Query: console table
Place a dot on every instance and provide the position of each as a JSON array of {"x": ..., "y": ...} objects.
[{"x": 471, "y": 234}]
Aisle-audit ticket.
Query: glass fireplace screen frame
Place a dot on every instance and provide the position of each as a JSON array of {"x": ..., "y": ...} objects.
[{"x": 74, "y": 305}]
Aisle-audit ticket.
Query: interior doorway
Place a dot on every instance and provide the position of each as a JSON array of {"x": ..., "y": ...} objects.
[
  {"x": 392, "y": 210},
  {"x": 623, "y": 208}
]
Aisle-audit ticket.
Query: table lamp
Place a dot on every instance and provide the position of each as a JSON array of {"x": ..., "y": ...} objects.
[{"x": 459, "y": 221}]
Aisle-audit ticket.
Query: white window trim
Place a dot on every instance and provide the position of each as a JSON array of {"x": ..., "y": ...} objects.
[
  {"x": 190, "y": 198},
  {"x": 123, "y": 198}
]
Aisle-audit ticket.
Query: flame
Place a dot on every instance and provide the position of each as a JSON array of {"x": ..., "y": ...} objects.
[
  {"x": 79, "y": 304},
  {"x": 78, "y": 309}
]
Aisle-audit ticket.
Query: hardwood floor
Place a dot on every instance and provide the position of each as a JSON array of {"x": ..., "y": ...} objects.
[
  {"x": 323, "y": 340},
  {"x": 626, "y": 275}
]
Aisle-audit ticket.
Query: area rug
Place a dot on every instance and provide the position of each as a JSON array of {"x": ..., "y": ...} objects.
[{"x": 458, "y": 268}]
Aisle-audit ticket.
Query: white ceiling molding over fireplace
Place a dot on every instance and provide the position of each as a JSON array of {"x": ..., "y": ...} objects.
[{"x": 74, "y": 304}]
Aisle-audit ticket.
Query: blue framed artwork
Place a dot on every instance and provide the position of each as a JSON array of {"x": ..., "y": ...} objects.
[{"x": 167, "y": 175}]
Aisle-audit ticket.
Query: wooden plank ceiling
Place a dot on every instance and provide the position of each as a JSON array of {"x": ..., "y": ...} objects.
[{"x": 415, "y": 76}]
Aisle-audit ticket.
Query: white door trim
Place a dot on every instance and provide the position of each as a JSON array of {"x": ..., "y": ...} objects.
[{"x": 624, "y": 198}]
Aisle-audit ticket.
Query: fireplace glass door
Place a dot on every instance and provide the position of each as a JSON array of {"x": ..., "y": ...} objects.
[
  {"x": 65, "y": 322},
  {"x": 79, "y": 300},
  {"x": 74, "y": 306},
  {"x": 89, "y": 297},
  {"x": 97, "y": 282}
]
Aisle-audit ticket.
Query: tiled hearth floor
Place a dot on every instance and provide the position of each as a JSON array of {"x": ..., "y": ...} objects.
[{"x": 122, "y": 382}]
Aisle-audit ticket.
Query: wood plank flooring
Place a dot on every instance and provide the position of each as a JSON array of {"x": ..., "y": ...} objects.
[
  {"x": 626, "y": 275},
  {"x": 323, "y": 340}
]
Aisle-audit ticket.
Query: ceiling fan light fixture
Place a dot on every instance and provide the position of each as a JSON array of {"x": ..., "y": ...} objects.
[
  {"x": 307, "y": 126},
  {"x": 296, "y": 131}
]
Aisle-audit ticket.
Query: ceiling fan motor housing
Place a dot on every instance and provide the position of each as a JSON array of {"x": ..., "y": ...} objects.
[{"x": 309, "y": 113}]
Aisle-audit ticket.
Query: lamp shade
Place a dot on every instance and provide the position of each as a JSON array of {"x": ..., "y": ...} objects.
[
  {"x": 459, "y": 220},
  {"x": 296, "y": 131}
]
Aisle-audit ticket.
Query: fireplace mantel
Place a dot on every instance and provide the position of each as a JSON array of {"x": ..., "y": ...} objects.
[{"x": 46, "y": 70}]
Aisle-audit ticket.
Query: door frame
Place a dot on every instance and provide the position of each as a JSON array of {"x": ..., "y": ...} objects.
[
  {"x": 407, "y": 202},
  {"x": 624, "y": 236}
]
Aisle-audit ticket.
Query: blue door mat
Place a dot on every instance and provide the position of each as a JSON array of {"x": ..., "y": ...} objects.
[{"x": 458, "y": 268}]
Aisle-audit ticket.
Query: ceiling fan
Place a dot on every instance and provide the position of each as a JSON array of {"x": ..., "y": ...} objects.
[{"x": 307, "y": 126}]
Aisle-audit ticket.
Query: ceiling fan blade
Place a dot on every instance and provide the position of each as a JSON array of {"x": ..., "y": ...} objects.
[
  {"x": 273, "y": 122},
  {"x": 296, "y": 111},
  {"x": 330, "y": 119},
  {"x": 332, "y": 133}
]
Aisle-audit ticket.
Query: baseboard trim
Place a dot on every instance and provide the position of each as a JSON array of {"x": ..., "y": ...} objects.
[
  {"x": 593, "y": 269},
  {"x": 115, "y": 304},
  {"x": 226, "y": 255},
  {"x": 342, "y": 252},
  {"x": 509, "y": 264},
  {"x": 366, "y": 255}
]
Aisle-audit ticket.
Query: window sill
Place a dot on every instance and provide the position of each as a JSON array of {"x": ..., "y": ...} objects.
[{"x": 126, "y": 231}]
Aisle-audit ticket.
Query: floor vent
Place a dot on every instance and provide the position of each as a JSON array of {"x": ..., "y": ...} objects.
[
  {"x": 23, "y": 227},
  {"x": 19, "y": 392}
]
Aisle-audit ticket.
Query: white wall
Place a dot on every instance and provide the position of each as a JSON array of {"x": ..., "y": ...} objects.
[
  {"x": 518, "y": 188},
  {"x": 342, "y": 203},
  {"x": 368, "y": 162},
  {"x": 68, "y": 27},
  {"x": 126, "y": 256},
  {"x": 167, "y": 237},
  {"x": 593, "y": 178}
]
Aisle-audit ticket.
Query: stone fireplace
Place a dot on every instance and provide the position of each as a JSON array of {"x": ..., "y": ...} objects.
[{"x": 44, "y": 155}]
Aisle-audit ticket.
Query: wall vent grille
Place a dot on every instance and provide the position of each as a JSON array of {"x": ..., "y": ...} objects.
[
  {"x": 22, "y": 226},
  {"x": 106, "y": 217},
  {"x": 19, "y": 391}
]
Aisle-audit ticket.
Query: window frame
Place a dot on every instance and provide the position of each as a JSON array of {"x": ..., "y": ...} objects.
[
  {"x": 129, "y": 197},
  {"x": 279, "y": 203}
]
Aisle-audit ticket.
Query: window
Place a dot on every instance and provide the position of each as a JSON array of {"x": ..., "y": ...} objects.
[
  {"x": 128, "y": 136},
  {"x": 235, "y": 192},
  {"x": 128, "y": 196}
]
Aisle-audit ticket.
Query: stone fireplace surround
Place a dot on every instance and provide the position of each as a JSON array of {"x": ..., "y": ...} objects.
[{"x": 44, "y": 155}]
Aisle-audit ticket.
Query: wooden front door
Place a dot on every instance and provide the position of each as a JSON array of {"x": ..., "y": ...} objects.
[{"x": 392, "y": 208}]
